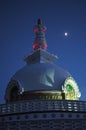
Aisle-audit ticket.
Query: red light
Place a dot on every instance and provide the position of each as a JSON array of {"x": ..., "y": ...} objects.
[
  {"x": 35, "y": 30},
  {"x": 35, "y": 45},
  {"x": 40, "y": 44},
  {"x": 45, "y": 45}
]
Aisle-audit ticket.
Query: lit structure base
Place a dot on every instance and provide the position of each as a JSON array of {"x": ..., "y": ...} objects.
[{"x": 44, "y": 115}]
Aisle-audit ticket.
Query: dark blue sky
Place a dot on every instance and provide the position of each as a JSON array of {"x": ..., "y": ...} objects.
[{"x": 17, "y": 19}]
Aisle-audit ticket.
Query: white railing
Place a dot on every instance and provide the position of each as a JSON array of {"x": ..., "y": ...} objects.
[{"x": 42, "y": 105}]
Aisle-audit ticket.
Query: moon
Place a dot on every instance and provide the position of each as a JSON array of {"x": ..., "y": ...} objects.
[{"x": 66, "y": 34}]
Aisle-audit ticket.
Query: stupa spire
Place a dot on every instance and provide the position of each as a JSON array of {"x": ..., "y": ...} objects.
[
  {"x": 39, "y": 42},
  {"x": 40, "y": 54},
  {"x": 39, "y": 22}
]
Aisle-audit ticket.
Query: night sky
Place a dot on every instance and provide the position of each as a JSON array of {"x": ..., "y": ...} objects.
[{"x": 17, "y": 19}]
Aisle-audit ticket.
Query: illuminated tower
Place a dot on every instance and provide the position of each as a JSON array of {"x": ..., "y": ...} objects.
[{"x": 42, "y": 95}]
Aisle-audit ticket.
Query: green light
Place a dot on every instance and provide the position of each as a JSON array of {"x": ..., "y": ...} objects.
[{"x": 69, "y": 87}]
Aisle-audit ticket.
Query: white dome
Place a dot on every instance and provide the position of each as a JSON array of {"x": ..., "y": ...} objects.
[{"x": 41, "y": 76}]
